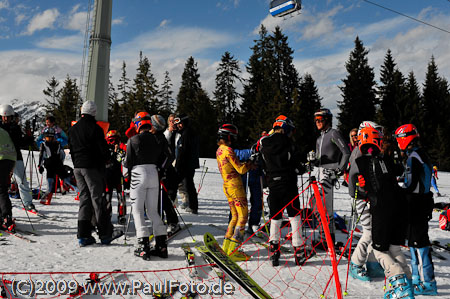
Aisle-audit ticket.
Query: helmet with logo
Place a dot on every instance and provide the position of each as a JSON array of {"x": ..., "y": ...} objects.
[
  {"x": 49, "y": 132},
  {"x": 370, "y": 136},
  {"x": 141, "y": 119},
  {"x": 324, "y": 113},
  {"x": 405, "y": 134},
  {"x": 369, "y": 124},
  {"x": 112, "y": 137},
  {"x": 6, "y": 110},
  {"x": 227, "y": 132},
  {"x": 284, "y": 123}
]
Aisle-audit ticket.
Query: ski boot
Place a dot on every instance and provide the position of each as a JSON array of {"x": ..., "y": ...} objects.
[
  {"x": 172, "y": 228},
  {"x": 225, "y": 245},
  {"x": 160, "y": 248},
  {"x": 9, "y": 224},
  {"x": 115, "y": 234},
  {"x": 274, "y": 253},
  {"x": 401, "y": 288},
  {"x": 47, "y": 199},
  {"x": 238, "y": 255},
  {"x": 358, "y": 272},
  {"x": 31, "y": 208},
  {"x": 301, "y": 255},
  {"x": 374, "y": 270},
  {"x": 143, "y": 248},
  {"x": 425, "y": 288},
  {"x": 86, "y": 241}
]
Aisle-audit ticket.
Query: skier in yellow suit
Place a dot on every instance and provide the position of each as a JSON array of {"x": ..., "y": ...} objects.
[{"x": 231, "y": 169}]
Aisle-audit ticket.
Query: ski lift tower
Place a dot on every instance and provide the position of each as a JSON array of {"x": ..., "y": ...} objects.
[{"x": 98, "y": 61}]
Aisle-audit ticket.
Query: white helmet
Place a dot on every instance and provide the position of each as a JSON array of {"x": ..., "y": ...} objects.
[
  {"x": 369, "y": 124},
  {"x": 6, "y": 110}
]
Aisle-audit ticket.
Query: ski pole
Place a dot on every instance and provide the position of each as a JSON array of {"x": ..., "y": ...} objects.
[
  {"x": 40, "y": 187},
  {"x": 201, "y": 180},
  {"x": 128, "y": 225},
  {"x": 201, "y": 176},
  {"x": 176, "y": 209}
]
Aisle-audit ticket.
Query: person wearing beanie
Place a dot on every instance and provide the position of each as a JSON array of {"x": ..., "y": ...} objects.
[{"x": 89, "y": 152}]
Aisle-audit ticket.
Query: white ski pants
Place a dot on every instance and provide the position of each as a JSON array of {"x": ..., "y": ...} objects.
[{"x": 144, "y": 196}]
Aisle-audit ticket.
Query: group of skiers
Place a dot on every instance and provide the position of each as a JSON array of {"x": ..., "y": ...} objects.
[
  {"x": 386, "y": 174},
  {"x": 158, "y": 159}
]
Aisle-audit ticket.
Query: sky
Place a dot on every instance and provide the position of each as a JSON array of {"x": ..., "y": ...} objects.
[{"x": 41, "y": 39}]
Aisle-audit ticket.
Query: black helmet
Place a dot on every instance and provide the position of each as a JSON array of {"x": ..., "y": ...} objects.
[{"x": 227, "y": 132}]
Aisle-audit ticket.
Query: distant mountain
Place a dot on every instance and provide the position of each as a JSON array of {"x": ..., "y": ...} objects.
[{"x": 28, "y": 110}]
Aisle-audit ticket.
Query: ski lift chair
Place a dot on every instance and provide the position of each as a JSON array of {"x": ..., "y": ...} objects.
[{"x": 281, "y": 8}]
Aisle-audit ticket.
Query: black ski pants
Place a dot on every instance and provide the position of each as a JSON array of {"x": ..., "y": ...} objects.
[
  {"x": 90, "y": 182},
  {"x": 6, "y": 166}
]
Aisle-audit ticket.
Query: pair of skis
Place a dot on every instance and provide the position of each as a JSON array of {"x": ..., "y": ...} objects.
[{"x": 213, "y": 252}]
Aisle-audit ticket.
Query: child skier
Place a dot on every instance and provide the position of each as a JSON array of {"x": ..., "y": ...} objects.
[
  {"x": 144, "y": 156},
  {"x": 375, "y": 174},
  {"x": 114, "y": 177},
  {"x": 417, "y": 180},
  {"x": 51, "y": 157},
  {"x": 231, "y": 169}
]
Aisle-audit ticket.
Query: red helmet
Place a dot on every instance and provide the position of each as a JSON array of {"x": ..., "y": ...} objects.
[
  {"x": 227, "y": 132},
  {"x": 405, "y": 134},
  {"x": 371, "y": 136},
  {"x": 285, "y": 123},
  {"x": 142, "y": 118},
  {"x": 112, "y": 136}
]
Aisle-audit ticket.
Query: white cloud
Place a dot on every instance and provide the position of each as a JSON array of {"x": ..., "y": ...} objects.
[
  {"x": 71, "y": 43},
  {"x": 4, "y": 4},
  {"x": 42, "y": 21},
  {"x": 19, "y": 18},
  {"x": 29, "y": 70},
  {"x": 118, "y": 21},
  {"x": 77, "y": 21},
  {"x": 164, "y": 23},
  {"x": 170, "y": 43}
]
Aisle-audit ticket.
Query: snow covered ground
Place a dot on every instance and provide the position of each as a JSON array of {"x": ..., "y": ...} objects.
[{"x": 56, "y": 248}]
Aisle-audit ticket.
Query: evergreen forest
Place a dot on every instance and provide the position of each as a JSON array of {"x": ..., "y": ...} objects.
[{"x": 273, "y": 87}]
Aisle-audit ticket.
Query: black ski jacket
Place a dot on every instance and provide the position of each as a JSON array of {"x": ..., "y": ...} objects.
[
  {"x": 87, "y": 144},
  {"x": 187, "y": 152},
  {"x": 281, "y": 159},
  {"x": 386, "y": 200},
  {"x": 144, "y": 148}
]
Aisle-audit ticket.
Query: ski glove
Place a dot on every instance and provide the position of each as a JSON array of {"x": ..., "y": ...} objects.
[
  {"x": 361, "y": 181},
  {"x": 41, "y": 169}
]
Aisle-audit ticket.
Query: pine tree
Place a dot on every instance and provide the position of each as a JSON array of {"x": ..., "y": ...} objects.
[
  {"x": 435, "y": 122},
  {"x": 273, "y": 81},
  {"x": 193, "y": 101},
  {"x": 65, "y": 111},
  {"x": 411, "y": 106},
  {"x": 165, "y": 94},
  {"x": 306, "y": 102},
  {"x": 144, "y": 94},
  {"x": 258, "y": 89},
  {"x": 127, "y": 109},
  {"x": 114, "y": 108},
  {"x": 391, "y": 93},
  {"x": 225, "y": 93},
  {"x": 358, "y": 92},
  {"x": 53, "y": 94}
]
